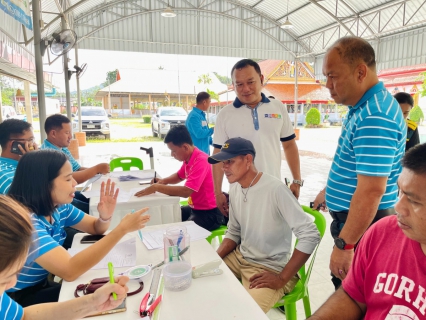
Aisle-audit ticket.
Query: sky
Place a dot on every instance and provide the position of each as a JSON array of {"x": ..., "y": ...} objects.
[{"x": 100, "y": 62}]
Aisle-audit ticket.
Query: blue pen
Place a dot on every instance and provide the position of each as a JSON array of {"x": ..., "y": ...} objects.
[
  {"x": 180, "y": 239},
  {"x": 139, "y": 232}
]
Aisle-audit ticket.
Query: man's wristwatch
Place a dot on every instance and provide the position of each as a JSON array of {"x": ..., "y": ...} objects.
[
  {"x": 299, "y": 182},
  {"x": 342, "y": 245}
]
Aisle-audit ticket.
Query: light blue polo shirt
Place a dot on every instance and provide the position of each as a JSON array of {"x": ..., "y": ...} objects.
[
  {"x": 9, "y": 309},
  {"x": 7, "y": 172},
  {"x": 199, "y": 129},
  {"x": 47, "y": 145},
  {"x": 372, "y": 143},
  {"x": 46, "y": 237}
]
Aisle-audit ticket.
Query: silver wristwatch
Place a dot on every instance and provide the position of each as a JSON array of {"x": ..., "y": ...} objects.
[{"x": 299, "y": 182}]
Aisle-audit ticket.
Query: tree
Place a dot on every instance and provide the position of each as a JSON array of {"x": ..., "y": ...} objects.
[
  {"x": 213, "y": 95},
  {"x": 204, "y": 79},
  {"x": 110, "y": 78},
  {"x": 423, "y": 89},
  {"x": 223, "y": 79}
]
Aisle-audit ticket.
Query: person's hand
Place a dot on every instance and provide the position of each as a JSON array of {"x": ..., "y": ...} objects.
[
  {"x": 134, "y": 221},
  {"x": 102, "y": 298},
  {"x": 29, "y": 147},
  {"x": 340, "y": 262},
  {"x": 108, "y": 200},
  {"x": 222, "y": 204},
  {"x": 295, "y": 189},
  {"x": 158, "y": 180},
  {"x": 319, "y": 201},
  {"x": 266, "y": 279},
  {"x": 147, "y": 191},
  {"x": 102, "y": 168}
]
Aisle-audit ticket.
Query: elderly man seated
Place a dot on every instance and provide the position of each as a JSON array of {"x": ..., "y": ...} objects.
[{"x": 263, "y": 214}]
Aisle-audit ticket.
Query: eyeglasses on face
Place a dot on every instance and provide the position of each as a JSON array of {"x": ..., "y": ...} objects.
[{"x": 32, "y": 139}]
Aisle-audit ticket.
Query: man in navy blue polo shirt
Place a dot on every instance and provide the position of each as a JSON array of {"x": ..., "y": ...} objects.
[
  {"x": 362, "y": 183},
  {"x": 197, "y": 124}
]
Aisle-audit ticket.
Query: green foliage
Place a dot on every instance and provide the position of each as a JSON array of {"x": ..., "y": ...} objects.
[
  {"x": 213, "y": 95},
  {"x": 416, "y": 115},
  {"x": 204, "y": 79},
  {"x": 313, "y": 117},
  {"x": 110, "y": 78},
  {"x": 223, "y": 79},
  {"x": 146, "y": 119},
  {"x": 423, "y": 89}
]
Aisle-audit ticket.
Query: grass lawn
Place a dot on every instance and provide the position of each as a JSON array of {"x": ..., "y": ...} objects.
[
  {"x": 134, "y": 139},
  {"x": 130, "y": 122}
]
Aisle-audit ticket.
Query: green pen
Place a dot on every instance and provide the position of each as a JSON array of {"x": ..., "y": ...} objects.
[{"x": 111, "y": 277}]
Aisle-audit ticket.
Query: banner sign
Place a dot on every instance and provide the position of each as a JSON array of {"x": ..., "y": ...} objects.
[{"x": 19, "y": 10}]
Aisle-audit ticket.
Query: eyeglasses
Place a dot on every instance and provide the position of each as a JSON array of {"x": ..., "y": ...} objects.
[{"x": 28, "y": 140}]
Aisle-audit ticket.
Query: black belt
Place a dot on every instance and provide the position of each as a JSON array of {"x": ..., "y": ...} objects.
[{"x": 341, "y": 216}]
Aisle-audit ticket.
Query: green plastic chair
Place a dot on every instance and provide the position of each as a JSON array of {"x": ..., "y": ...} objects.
[
  {"x": 300, "y": 291},
  {"x": 219, "y": 232},
  {"x": 126, "y": 163}
]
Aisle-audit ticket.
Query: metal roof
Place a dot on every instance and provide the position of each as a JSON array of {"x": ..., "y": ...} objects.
[{"x": 245, "y": 28}]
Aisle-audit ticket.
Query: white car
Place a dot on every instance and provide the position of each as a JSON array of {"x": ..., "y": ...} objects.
[
  {"x": 94, "y": 121},
  {"x": 165, "y": 118},
  {"x": 9, "y": 112}
]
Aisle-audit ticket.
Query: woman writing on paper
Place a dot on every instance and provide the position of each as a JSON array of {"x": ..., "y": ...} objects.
[
  {"x": 43, "y": 183},
  {"x": 15, "y": 224}
]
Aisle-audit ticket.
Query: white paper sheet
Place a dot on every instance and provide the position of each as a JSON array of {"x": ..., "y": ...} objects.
[
  {"x": 154, "y": 239},
  {"x": 142, "y": 174},
  {"x": 122, "y": 255},
  {"x": 123, "y": 196}
]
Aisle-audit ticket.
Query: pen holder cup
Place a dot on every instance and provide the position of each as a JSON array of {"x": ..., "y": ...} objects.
[
  {"x": 176, "y": 245},
  {"x": 177, "y": 275}
]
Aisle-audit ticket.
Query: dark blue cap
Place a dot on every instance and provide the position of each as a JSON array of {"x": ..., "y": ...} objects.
[{"x": 232, "y": 148}]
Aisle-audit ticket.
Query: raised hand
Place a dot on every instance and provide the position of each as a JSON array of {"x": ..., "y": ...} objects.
[{"x": 108, "y": 200}]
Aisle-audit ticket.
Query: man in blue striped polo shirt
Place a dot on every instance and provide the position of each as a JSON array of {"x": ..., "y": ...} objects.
[
  {"x": 362, "y": 183},
  {"x": 12, "y": 130}
]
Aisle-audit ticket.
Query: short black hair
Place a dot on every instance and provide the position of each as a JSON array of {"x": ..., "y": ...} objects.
[
  {"x": 202, "y": 96},
  {"x": 404, "y": 97},
  {"x": 414, "y": 159},
  {"x": 245, "y": 63},
  {"x": 33, "y": 182},
  {"x": 12, "y": 126},
  {"x": 178, "y": 135},
  {"x": 352, "y": 50},
  {"x": 54, "y": 122}
]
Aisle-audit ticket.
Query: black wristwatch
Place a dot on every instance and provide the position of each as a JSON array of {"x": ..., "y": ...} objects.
[{"x": 342, "y": 245}]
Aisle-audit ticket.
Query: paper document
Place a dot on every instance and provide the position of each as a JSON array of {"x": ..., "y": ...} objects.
[
  {"x": 122, "y": 255},
  {"x": 154, "y": 239},
  {"x": 140, "y": 174},
  {"x": 90, "y": 181}
]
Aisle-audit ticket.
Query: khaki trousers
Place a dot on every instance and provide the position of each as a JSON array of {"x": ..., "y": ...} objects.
[{"x": 244, "y": 270}]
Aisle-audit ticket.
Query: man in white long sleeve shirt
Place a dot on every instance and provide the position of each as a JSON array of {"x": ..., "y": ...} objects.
[{"x": 263, "y": 214}]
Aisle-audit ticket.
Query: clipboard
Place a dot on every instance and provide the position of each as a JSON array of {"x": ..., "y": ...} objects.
[{"x": 90, "y": 181}]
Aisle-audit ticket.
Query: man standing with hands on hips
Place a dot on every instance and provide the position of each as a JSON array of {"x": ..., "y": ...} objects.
[
  {"x": 265, "y": 122},
  {"x": 362, "y": 183}
]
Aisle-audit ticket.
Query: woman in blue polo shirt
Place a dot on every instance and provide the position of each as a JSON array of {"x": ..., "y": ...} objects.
[
  {"x": 43, "y": 183},
  {"x": 15, "y": 224}
]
